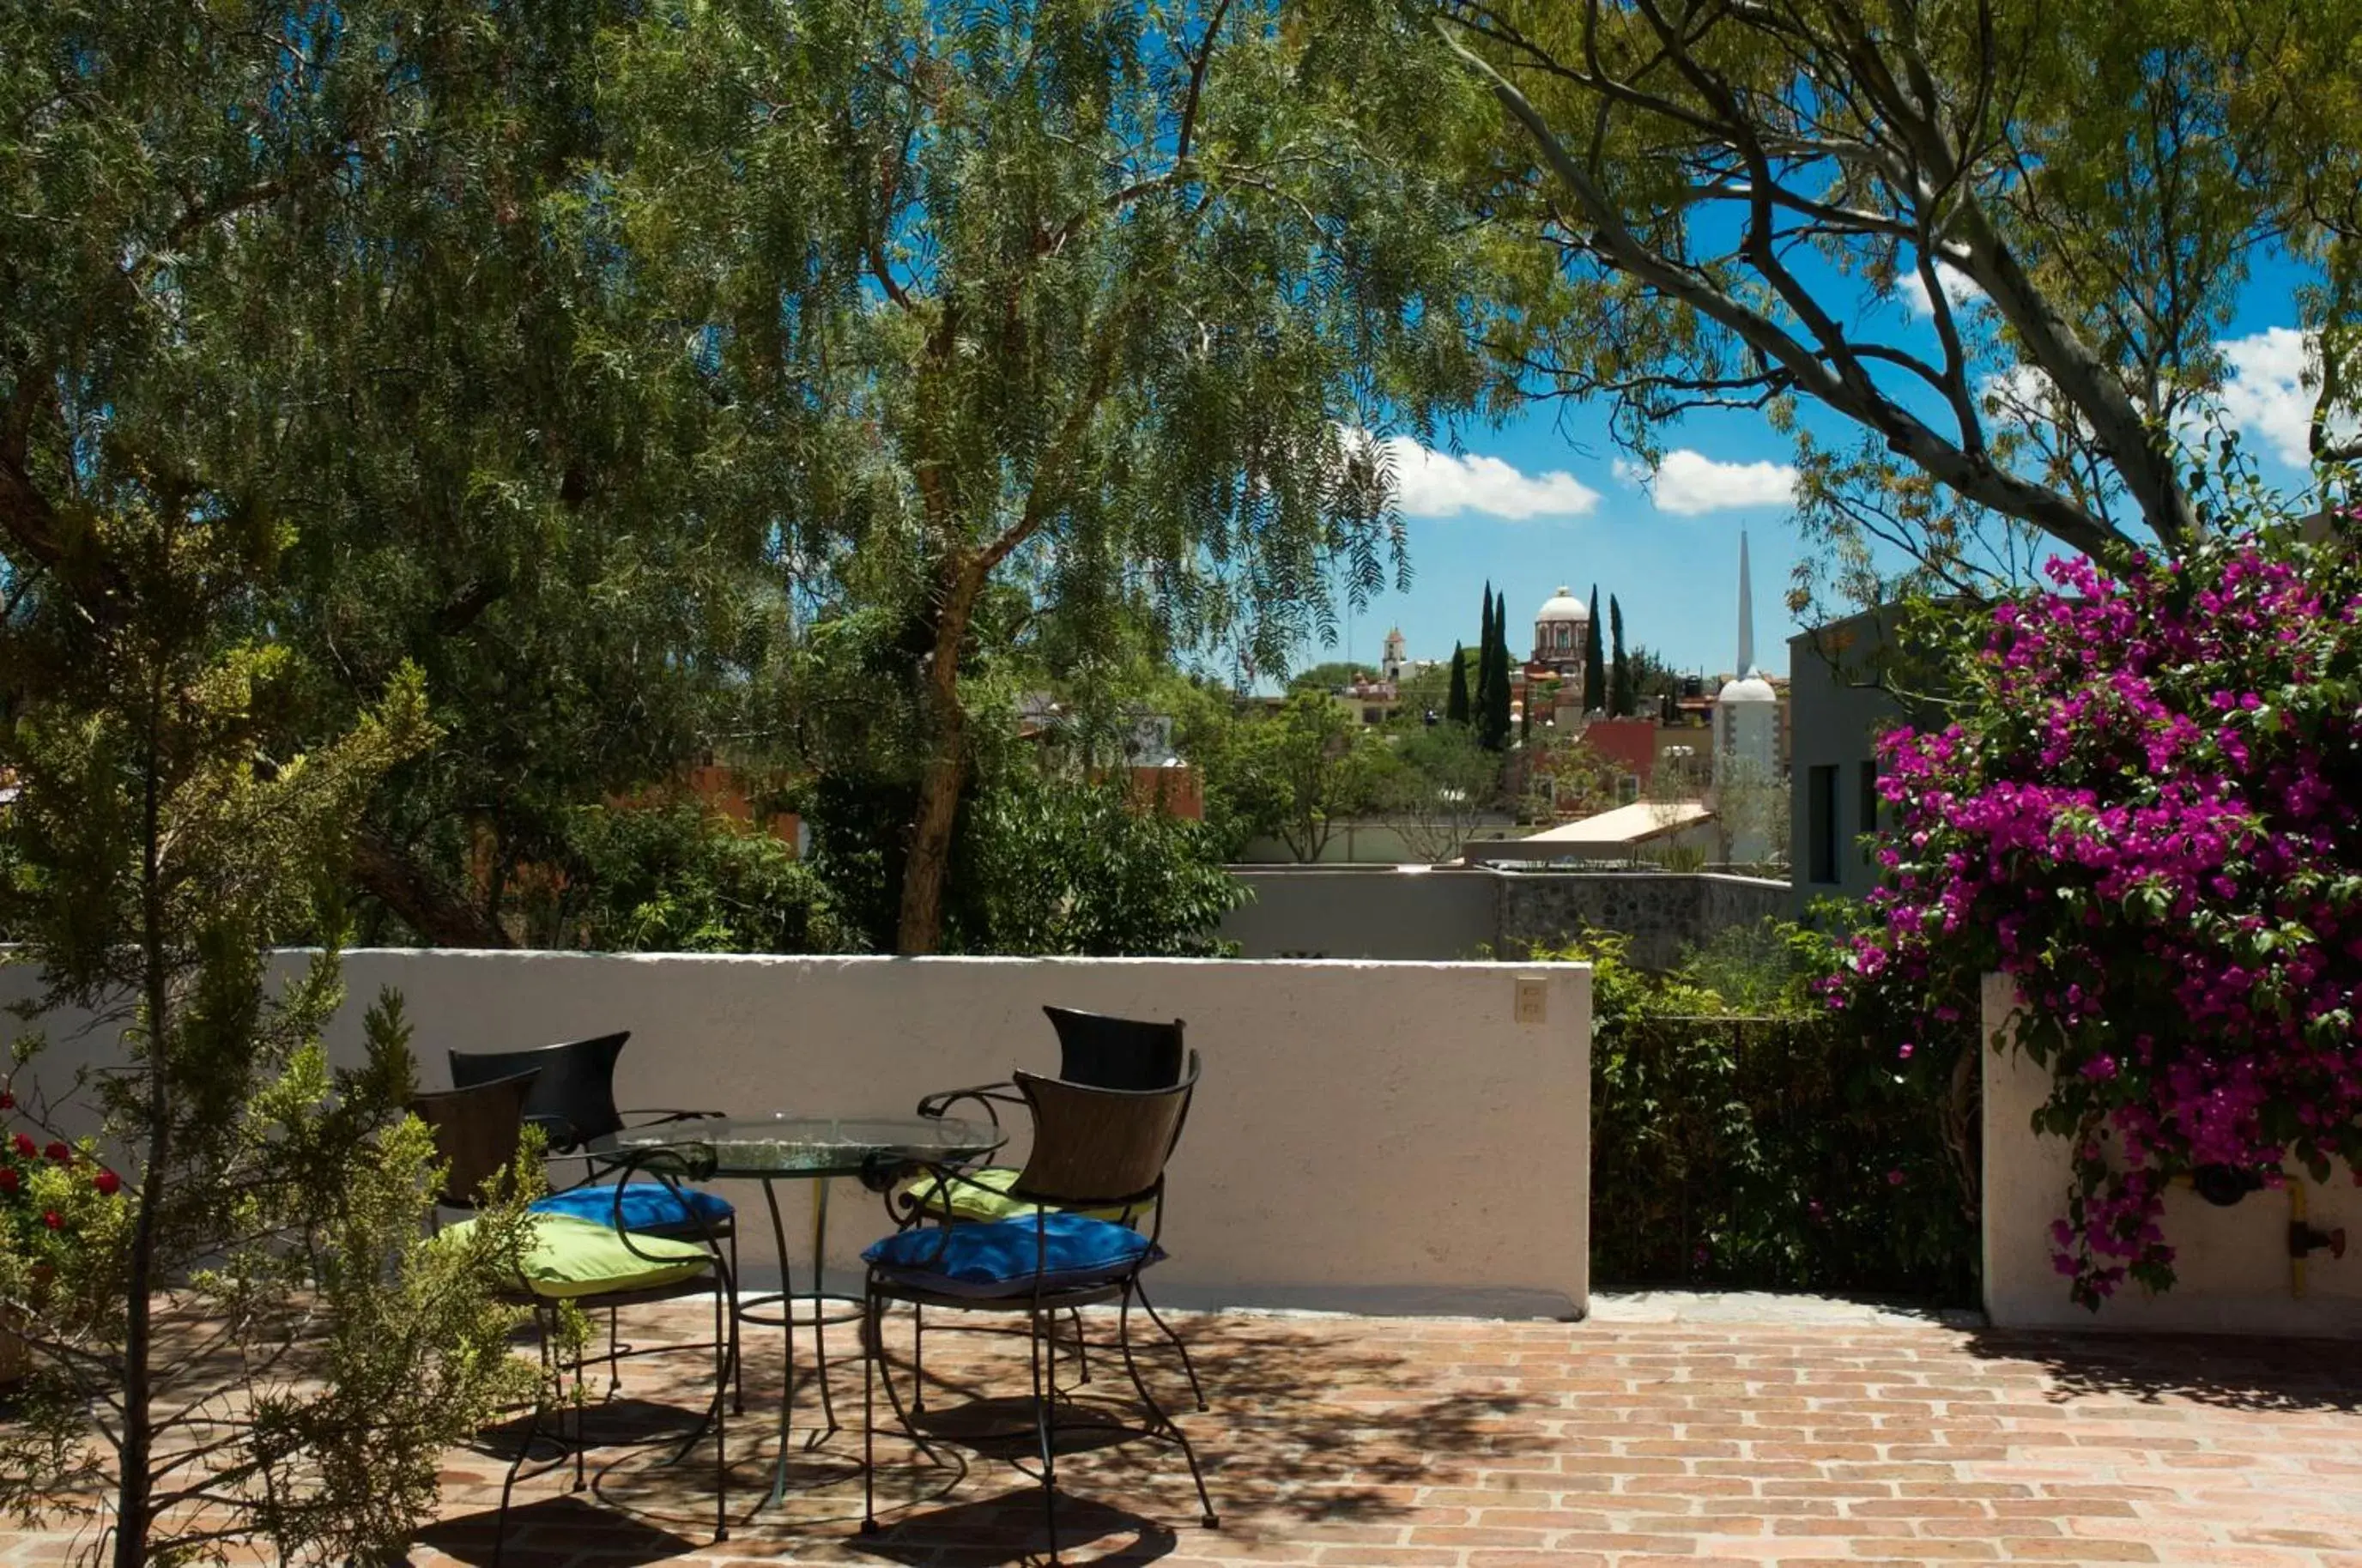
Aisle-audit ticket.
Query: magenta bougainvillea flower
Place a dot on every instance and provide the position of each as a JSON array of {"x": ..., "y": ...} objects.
[{"x": 2145, "y": 811}]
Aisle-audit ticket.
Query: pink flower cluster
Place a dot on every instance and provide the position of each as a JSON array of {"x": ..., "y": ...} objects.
[{"x": 2143, "y": 813}]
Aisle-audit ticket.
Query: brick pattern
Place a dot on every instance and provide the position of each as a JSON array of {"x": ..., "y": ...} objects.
[{"x": 1369, "y": 1443}]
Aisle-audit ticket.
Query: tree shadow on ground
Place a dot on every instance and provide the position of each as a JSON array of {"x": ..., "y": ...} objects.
[
  {"x": 2228, "y": 1373},
  {"x": 1307, "y": 1423}
]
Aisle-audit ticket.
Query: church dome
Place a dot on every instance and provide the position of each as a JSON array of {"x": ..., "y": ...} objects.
[
  {"x": 1749, "y": 688},
  {"x": 1562, "y": 606}
]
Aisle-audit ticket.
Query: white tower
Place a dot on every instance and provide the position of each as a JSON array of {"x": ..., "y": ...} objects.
[
  {"x": 1392, "y": 666},
  {"x": 1746, "y": 738}
]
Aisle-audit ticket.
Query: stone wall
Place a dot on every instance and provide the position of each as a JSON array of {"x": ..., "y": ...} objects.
[
  {"x": 1385, "y": 912},
  {"x": 1661, "y": 912}
]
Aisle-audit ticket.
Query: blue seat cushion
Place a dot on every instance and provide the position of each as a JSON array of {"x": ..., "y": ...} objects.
[
  {"x": 1068, "y": 1252},
  {"x": 647, "y": 1206}
]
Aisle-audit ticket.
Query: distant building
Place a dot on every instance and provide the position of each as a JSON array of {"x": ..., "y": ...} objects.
[{"x": 1841, "y": 706}]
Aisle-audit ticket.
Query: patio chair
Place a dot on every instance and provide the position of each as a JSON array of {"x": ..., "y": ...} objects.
[
  {"x": 590, "y": 1265},
  {"x": 1095, "y": 1049},
  {"x": 573, "y": 1099},
  {"x": 1093, "y": 1149},
  {"x": 477, "y": 1132}
]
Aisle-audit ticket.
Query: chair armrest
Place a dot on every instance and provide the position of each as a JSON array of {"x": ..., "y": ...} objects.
[{"x": 985, "y": 1096}]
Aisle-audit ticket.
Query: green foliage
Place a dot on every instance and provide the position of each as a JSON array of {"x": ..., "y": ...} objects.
[
  {"x": 1439, "y": 783},
  {"x": 2059, "y": 331},
  {"x": 1595, "y": 667},
  {"x": 1056, "y": 868},
  {"x": 1041, "y": 313},
  {"x": 680, "y": 878},
  {"x": 1328, "y": 678},
  {"x": 1742, "y": 1137},
  {"x": 1621, "y": 698},
  {"x": 1296, "y": 774}
]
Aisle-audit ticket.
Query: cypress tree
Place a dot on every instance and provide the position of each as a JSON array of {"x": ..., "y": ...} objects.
[
  {"x": 1619, "y": 668},
  {"x": 1595, "y": 666},
  {"x": 1495, "y": 723},
  {"x": 1456, "y": 700},
  {"x": 1481, "y": 713}
]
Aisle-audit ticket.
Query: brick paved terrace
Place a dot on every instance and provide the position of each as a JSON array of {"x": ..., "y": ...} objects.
[{"x": 1731, "y": 1430}]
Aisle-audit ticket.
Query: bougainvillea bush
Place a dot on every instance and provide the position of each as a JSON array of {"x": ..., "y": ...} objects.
[{"x": 2144, "y": 812}]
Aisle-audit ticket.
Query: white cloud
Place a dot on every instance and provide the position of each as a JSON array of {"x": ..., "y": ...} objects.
[
  {"x": 1690, "y": 482},
  {"x": 1439, "y": 484},
  {"x": 1957, "y": 288},
  {"x": 2265, "y": 395}
]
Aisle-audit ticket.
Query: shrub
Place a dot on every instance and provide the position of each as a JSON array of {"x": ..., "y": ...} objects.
[
  {"x": 2142, "y": 815},
  {"x": 1776, "y": 1147}
]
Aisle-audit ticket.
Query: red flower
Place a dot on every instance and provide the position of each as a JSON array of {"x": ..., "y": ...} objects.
[
  {"x": 107, "y": 1182},
  {"x": 7, "y": 1101},
  {"x": 54, "y": 1219},
  {"x": 61, "y": 1152},
  {"x": 26, "y": 1146},
  {"x": 8, "y": 1178}
]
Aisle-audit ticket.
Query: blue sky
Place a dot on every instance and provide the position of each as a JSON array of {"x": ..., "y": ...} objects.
[{"x": 1545, "y": 501}]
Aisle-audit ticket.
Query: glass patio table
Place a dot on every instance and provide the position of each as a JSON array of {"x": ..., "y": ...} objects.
[{"x": 817, "y": 1149}]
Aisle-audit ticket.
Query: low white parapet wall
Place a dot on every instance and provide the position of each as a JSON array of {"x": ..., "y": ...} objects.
[
  {"x": 1379, "y": 1137},
  {"x": 2232, "y": 1265}
]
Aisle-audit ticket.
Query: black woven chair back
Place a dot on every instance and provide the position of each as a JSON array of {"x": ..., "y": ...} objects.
[
  {"x": 476, "y": 1132},
  {"x": 573, "y": 1100},
  {"x": 1117, "y": 1053},
  {"x": 1097, "y": 1148}
]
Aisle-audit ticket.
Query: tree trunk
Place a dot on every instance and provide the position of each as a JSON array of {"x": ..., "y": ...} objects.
[
  {"x": 404, "y": 887},
  {"x": 936, "y": 819},
  {"x": 134, "y": 1482}
]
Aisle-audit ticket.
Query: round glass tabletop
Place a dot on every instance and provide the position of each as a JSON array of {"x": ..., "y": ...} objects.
[{"x": 786, "y": 1146}]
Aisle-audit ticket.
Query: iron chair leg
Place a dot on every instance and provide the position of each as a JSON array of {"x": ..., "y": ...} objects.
[
  {"x": 1043, "y": 1335},
  {"x": 918, "y": 1356},
  {"x": 542, "y": 1332},
  {"x": 726, "y": 1356},
  {"x": 1187, "y": 1366},
  {"x": 872, "y": 1350},
  {"x": 739, "y": 1389},
  {"x": 1170, "y": 1428}
]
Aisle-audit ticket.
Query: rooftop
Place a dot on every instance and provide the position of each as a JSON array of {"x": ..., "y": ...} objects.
[{"x": 1664, "y": 1429}]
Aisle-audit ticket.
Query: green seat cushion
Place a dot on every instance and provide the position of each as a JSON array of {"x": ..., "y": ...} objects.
[
  {"x": 570, "y": 1257},
  {"x": 983, "y": 1196}
]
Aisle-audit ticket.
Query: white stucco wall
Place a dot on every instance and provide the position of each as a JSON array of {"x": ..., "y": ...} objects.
[
  {"x": 1370, "y": 1136},
  {"x": 2232, "y": 1263}
]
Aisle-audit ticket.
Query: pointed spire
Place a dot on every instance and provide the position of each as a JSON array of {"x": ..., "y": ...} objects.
[{"x": 1746, "y": 613}]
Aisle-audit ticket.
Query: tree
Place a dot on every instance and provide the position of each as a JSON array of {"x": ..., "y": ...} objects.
[
  {"x": 1482, "y": 711},
  {"x": 1330, "y": 676},
  {"x": 1043, "y": 308},
  {"x": 1443, "y": 785},
  {"x": 1455, "y": 705},
  {"x": 1619, "y": 668},
  {"x": 1594, "y": 667},
  {"x": 2069, "y": 195},
  {"x": 184, "y": 194},
  {"x": 1304, "y": 770},
  {"x": 1492, "y": 706}
]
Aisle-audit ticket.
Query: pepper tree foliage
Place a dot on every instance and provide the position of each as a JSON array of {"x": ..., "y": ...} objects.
[
  {"x": 2143, "y": 814},
  {"x": 1045, "y": 307},
  {"x": 258, "y": 1350}
]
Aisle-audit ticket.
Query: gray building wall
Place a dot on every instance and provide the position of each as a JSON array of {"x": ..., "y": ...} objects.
[
  {"x": 1839, "y": 709},
  {"x": 1382, "y": 912}
]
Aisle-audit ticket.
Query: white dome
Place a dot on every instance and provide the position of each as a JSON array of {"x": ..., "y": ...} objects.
[
  {"x": 1749, "y": 688},
  {"x": 1562, "y": 606}
]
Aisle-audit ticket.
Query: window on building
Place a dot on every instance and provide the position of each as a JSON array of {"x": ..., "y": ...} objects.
[
  {"x": 1867, "y": 821},
  {"x": 1374, "y": 716},
  {"x": 1821, "y": 822}
]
